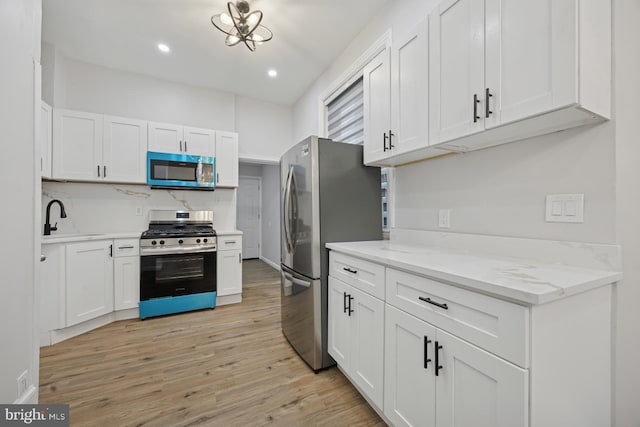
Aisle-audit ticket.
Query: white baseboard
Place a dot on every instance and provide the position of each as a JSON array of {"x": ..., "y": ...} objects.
[
  {"x": 271, "y": 263},
  {"x": 228, "y": 299},
  {"x": 30, "y": 397}
]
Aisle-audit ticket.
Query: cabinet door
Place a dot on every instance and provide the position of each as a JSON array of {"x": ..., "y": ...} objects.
[
  {"x": 339, "y": 330},
  {"x": 226, "y": 159},
  {"x": 126, "y": 282},
  {"x": 46, "y": 117},
  {"x": 89, "y": 273},
  {"x": 410, "y": 90},
  {"x": 165, "y": 138},
  {"x": 229, "y": 276},
  {"x": 409, "y": 396},
  {"x": 530, "y": 57},
  {"x": 367, "y": 345},
  {"x": 201, "y": 142},
  {"x": 477, "y": 388},
  {"x": 377, "y": 107},
  {"x": 456, "y": 69},
  {"x": 52, "y": 291},
  {"x": 77, "y": 145},
  {"x": 125, "y": 150}
]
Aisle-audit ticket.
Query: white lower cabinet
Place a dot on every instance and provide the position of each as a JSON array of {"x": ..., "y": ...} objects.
[
  {"x": 229, "y": 266},
  {"x": 126, "y": 274},
  {"x": 433, "y": 378},
  {"x": 356, "y": 337},
  {"x": 89, "y": 280}
]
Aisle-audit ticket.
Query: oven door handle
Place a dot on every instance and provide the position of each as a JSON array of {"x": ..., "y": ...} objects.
[{"x": 174, "y": 251}]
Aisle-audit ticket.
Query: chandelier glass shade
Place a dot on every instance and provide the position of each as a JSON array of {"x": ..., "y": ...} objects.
[{"x": 242, "y": 25}]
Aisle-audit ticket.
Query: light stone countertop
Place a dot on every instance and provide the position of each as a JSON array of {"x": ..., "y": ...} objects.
[{"x": 514, "y": 279}]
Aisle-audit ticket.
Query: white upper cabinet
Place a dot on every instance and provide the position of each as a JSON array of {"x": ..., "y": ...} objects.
[
  {"x": 93, "y": 147},
  {"x": 124, "y": 150},
  {"x": 503, "y": 70},
  {"x": 46, "y": 119},
  {"x": 377, "y": 107},
  {"x": 226, "y": 149},
  {"x": 77, "y": 145},
  {"x": 410, "y": 90},
  {"x": 170, "y": 138},
  {"x": 396, "y": 97}
]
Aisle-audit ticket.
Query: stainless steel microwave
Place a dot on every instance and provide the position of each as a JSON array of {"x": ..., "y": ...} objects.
[{"x": 180, "y": 171}]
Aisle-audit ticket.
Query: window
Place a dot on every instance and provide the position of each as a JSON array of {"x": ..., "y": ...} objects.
[
  {"x": 345, "y": 123},
  {"x": 345, "y": 115}
]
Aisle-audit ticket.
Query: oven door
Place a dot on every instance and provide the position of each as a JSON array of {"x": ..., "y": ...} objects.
[{"x": 171, "y": 275}]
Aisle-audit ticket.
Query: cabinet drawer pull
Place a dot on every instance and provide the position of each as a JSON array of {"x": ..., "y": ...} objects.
[
  {"x": 391, "y": 135},
  {"x": 126, "y": 247},
  {"x": 348, "y": 270},
  {"x": 427, "y": 341},
  {"x": 487, "y": 107},
  {"x": 437, "y": 304},
  {"x": 438, "y": 365},
  {"x": 229, "y": 242},
  {"x": 384, "y": 142},
  {"x": 180, "y": 145},
  {"x": 111, "y": 251},
  {"x": 104, "y": 171},
  {"x": 98, "y": 171},
  {"x": 185, "y": 146},
  {"x": 476, "y": 101},
  {"x": 350, "y": 299}
]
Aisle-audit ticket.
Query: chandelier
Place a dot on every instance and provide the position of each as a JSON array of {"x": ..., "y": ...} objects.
[{"x": 240, "y": 25}]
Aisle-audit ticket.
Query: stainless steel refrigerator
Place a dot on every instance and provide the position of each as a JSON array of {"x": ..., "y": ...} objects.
[{"x": 327, "y": 195}]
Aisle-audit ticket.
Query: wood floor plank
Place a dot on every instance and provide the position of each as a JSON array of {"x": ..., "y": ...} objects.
[{"x": 225, "y": 367}]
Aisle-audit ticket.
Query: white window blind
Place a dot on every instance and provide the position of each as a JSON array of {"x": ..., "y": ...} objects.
[{"x": 345, "y": 115}]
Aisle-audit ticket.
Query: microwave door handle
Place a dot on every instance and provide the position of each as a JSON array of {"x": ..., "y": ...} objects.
[{"x": 199, "y": 177}]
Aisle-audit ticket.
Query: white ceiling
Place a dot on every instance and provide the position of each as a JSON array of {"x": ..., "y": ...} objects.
[{"x": 123, "y": 34}]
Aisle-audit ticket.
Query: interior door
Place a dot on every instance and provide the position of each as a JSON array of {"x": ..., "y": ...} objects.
[{"x": 248, "y": 215}]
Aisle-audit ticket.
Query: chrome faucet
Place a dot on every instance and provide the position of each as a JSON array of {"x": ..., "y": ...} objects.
[{"x": 47, "y": 225}]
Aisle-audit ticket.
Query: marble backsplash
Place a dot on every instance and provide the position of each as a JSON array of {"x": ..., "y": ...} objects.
[{"x": 113, "y": 208}]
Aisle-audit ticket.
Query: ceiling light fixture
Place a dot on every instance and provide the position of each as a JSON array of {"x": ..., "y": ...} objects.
[
  {"x": 272, "y": 73},
  {"x": 163, "y": 48},
  {"x": 240, "y": 25}
]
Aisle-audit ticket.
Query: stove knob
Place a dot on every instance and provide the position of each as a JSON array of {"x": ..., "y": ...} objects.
[
  {"x": 197, "y": 240},
  {"x": 153, "y": 242},
  {"x": 206, "y": 240},
  {"x": 162, "y": 242},
  {"x": 180, "y": 241}
]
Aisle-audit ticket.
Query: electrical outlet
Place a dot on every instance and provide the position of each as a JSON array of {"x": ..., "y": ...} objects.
[
  {"x": 444, "y": 218},
  {"x": 23, "y": 383},
  {"x": 139, "y": 211}
]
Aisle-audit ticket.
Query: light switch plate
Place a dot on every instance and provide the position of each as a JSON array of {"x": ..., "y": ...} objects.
[
  {"x": 565, "y": 208},
  {"x": 444, "y": 218}
]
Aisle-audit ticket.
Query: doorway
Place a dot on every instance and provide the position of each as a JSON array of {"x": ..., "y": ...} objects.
[{"x": 249, "y": 215}]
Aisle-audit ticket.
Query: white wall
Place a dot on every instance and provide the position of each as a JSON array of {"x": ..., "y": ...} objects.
[
  {"x": 20, "y": 22},
  {"x": 500, "y": 191},
  {"x": 627, "y": 111},
  {"x": 265, "y": 129}
]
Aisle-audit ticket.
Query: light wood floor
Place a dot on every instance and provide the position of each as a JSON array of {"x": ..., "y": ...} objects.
[{"x": 225, "y": 367}]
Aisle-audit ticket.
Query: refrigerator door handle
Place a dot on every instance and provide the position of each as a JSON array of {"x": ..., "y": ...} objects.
[
  {"x": 297, "y": 281},
  {"x": 293, "y": 194},
  {"x": 285, "y": 211}
]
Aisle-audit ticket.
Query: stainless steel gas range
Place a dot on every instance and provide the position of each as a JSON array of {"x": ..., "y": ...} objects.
[{"x": 177, "y": 263}]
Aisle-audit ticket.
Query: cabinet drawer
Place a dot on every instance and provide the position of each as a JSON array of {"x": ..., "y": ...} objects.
[
  {"x": 126, "y": 247},
  {"x": 492, "y": 324},
  {"x": 364, "y": 275},
  {"x": 228, "y": 243}
]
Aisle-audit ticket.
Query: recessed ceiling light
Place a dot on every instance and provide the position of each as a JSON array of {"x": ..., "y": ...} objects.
[
  {"x": 272, "y": 73},
  {"x": 163, "y": 48}
]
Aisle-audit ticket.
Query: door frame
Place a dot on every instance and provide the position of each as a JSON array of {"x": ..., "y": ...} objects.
[{"x": 259, "y": 179}]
